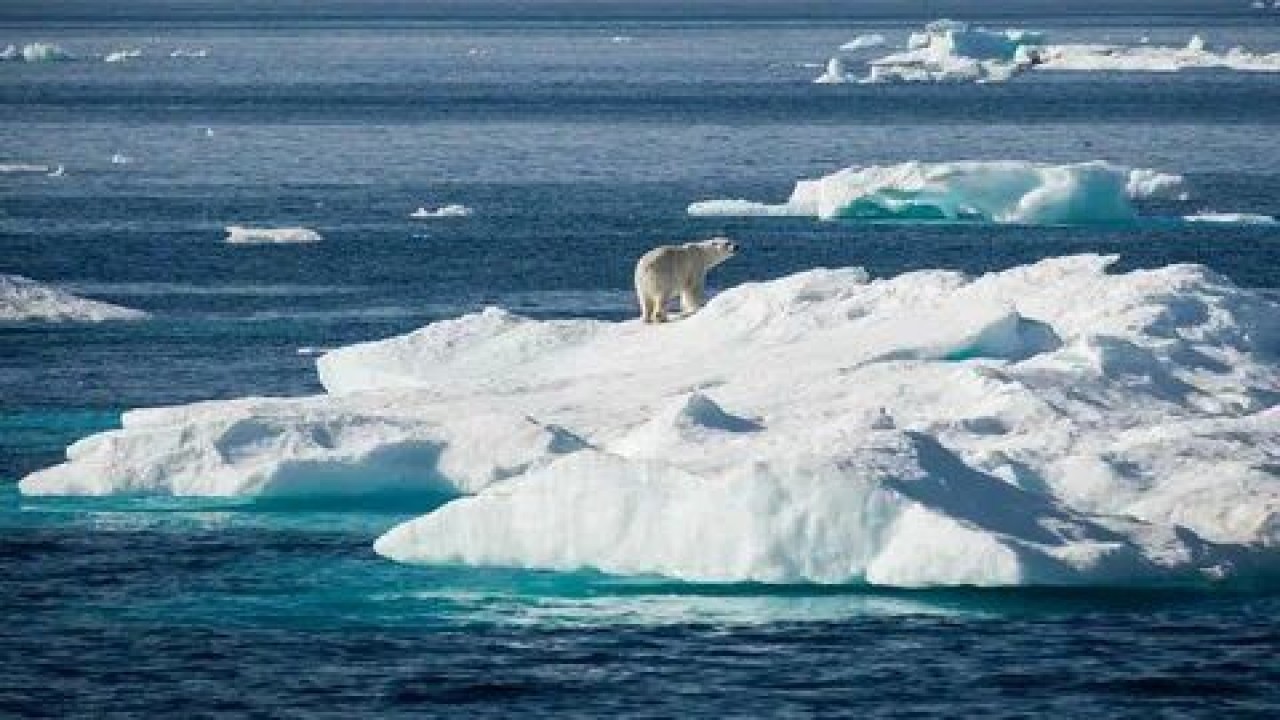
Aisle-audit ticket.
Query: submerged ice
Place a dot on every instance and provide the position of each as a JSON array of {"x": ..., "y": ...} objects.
[
  {"x": 1054, "y": 423},
  {"x": 998, "y": 191}
]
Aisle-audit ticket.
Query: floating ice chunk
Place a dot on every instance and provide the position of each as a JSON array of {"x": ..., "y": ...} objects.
[
  {"x": 621, "y": 39},
  {"x": 117, "y": 56},
  {"x": 950, "y": 51},
  {"x": 999, "y": 191},
  {"x": 452, "y": 210},
  {"x": 121, "y": 159},
  {"x": 240, "y": 235},
  {"x": 58, "y": 171},
  {"x": 1053, "y": 423},
  {"x": 834, "y": 73},
  {"x": 863, "y": 42},
  {"x": 23, "y": 168},
  {"x": 24, "y": 300},
  {"x": 1231, "y": 218},
  {"x": 35, "y": 52},
  {"x": 189, "y": 53}
]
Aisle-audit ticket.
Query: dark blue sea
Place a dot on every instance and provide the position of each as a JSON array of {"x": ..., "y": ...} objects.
[{"x": 578, "y": 143}]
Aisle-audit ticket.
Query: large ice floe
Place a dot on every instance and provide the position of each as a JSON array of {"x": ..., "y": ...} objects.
[
  {"x": 1051, "y": 424},
  {"x": 951, "y": 51},
  {"x": 989, "y": 191},
  {"x": 23, "y": 300}
]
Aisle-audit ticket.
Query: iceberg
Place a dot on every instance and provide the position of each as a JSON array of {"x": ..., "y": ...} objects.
[
  {"x": 23, "y": 300},
  {"x": 240, "y": 235},
  {"x": 1049, "y": 424},
  {"x": 999, "y": 192},
  {"x": 452, "y": 210},
  {"x": 189, "y": 53}
]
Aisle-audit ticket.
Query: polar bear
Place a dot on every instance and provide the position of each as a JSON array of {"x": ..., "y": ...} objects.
[{"x": 665, "y": 271}]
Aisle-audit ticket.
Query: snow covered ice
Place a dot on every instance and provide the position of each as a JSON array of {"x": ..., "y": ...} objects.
[
  {"x": 1049, "y": 424},
  {"x": 241, "y": 235},
  {"x": 23, "y": 300},
  {"x": 997, "y": 191}
]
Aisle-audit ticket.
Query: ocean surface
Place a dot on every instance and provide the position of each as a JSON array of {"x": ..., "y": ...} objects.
[{"x": 578, "y": 144}]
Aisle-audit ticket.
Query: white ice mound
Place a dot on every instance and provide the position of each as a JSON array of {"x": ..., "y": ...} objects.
[
  {"x": 23, "y": 300},
  {"x": 1000, "y": 191},
  {"x": 452, "y": 210},
  {"x": 35, "y": 52},
  {"x": 240, "y": 235},
  {"x": 1047, "y": 424}
]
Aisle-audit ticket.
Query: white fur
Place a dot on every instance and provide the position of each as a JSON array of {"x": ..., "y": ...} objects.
[{"x": 666, "y": 271}]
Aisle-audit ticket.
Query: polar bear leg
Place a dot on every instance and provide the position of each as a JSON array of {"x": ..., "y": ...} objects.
[
  {"x": 659, "y": 308},
  {"x": 691, "y": 297}
]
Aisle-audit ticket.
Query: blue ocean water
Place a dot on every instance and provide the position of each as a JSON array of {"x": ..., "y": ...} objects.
[{"x": 578, "y": 144}]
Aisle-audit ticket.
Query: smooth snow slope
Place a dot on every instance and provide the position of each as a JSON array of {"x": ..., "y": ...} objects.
[{"x": 1049, "y": 424}]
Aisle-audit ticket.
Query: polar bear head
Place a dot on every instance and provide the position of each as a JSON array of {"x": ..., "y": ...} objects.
[{"x": 714, "y": 251}]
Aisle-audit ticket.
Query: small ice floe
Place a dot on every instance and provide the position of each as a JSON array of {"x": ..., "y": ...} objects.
[
  {"x": 23, "y": 168},
  {"x": 208, "y": 132},
  {"x": 118, "y": 56},
  {"x": 311, "y": 351},
  {"x": 58, "y": 171},
  {"x": 863, "y": 42},
  {"x": 1208, "y": 216},
  {"x": 241, "y": 235},
  {"x": 188, "y": 53},
  {"x": 621, "y": 39},
  {"x": 452, "y": 210},
  {"x": 121, "y": 159}
]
